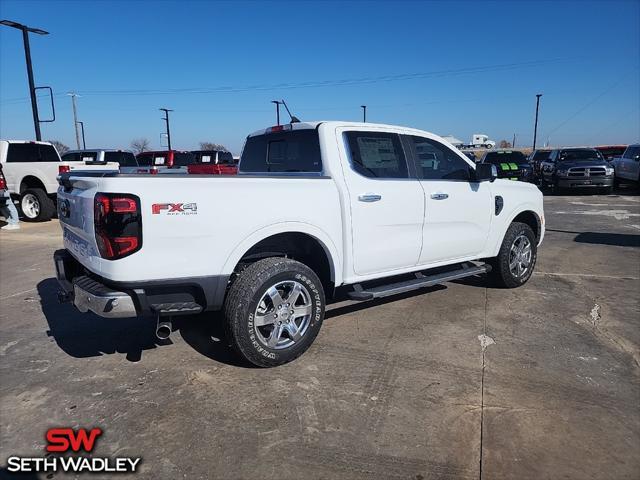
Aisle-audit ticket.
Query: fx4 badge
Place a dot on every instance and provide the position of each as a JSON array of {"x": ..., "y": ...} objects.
[{"x": 174, "y": 209}]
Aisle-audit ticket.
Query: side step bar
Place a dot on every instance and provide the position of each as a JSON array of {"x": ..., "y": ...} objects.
[{"x": 421, "y": 281}]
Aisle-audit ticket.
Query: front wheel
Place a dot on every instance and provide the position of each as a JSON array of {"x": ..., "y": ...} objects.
[
  {"x": 273, "y": 311},
  {"x": 517, "y": 257}
]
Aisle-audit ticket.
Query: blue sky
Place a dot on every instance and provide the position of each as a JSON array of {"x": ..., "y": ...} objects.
[{"x": 447, "y": 67}]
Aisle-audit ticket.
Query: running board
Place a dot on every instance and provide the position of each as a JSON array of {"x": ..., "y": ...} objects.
[{"x": 421, "y": 281}]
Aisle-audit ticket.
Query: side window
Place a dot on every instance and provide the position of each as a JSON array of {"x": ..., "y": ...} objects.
[
  {"x": 435, "y": 161},
  {"x": 377, "y": 154}
]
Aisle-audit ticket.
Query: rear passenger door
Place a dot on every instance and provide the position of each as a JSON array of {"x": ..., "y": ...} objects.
[
  {"x": 387, "y": 204},
  {"x": 458, "y": 211}
]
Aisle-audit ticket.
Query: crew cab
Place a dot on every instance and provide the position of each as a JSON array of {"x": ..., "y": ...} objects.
[
  {"x": 31, "y": 168},
  {"x": 375, "y": 210},
  {"x": 570, "y": 168},
  {"x": 213, "y": 162}
]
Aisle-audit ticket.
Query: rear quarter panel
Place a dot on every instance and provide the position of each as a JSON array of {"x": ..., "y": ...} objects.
[{"x": 218, "y": 220}]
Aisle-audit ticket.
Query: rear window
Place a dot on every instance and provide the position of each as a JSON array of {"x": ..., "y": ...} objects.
[
  {"x": 496, "y": 158},
  {"x": 203, "y": 156},
  {"x": 31, "y": 152},
  {"x": 144, "y": 160},
  {"x": 124, "y": 159},
  {"x": 182, "y": 159},
  {"x": 292, "y": 151},
  {"x": 580, "y": 154}
]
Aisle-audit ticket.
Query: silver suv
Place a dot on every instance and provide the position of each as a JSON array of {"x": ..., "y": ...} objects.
[{"x": 627, "y": 167}]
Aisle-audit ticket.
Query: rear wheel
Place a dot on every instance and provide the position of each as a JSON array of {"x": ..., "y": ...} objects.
[
  {"x": 36, "y": 206},
  {"x": 607, "y": 190},
  {"x": 517, "y": 257},
  {"x": 273, "y": 311}
]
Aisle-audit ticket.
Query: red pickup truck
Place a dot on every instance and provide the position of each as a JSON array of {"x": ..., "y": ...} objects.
[{"x": 213, "y": 162}]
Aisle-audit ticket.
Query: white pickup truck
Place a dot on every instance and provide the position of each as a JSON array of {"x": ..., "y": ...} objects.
[
  {"x": 31, "y": 169},
  {"x": 375, "y": 209}
]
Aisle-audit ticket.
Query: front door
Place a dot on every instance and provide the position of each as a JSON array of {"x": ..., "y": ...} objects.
[{"x": 458, "y": 211}]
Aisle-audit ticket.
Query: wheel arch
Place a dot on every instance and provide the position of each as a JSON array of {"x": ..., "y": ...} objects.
[
  {"x": 526, "y": 215},
  {"x": 30, "y": 181},
  {"x": 300, "y": 241}
]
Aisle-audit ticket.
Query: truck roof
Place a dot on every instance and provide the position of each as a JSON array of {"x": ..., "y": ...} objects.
[{"x": 337, "y": 123}]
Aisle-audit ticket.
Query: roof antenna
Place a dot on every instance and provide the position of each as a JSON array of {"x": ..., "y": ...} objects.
[{"x": 294, "y": 119}]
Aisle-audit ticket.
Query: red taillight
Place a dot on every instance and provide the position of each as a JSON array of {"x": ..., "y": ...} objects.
[
  {"x": 118, "y": 226},
  {"x": 153, "y": 171},
  {"x": 170, "y": 159},
  {"x": 63, "y": 169},
  {"x": 3, "y": 183},
  {"x": 124, "y": 205}
]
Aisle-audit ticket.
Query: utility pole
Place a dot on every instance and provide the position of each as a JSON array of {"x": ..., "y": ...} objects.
[
  {"x": 513, "y": 144},
  {"x": 84, "y": 144},
  {"x": 27, "y": 53},
  {"x": 535, "y": 128},
  {"x": 364, "y": 113},
  {"x": 166, "y": 119},
  {"x": 73, "y": 96},
  {"x": 277, "y": 110}
]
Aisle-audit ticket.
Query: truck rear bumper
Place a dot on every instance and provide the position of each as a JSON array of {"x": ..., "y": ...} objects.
[{"x": 110, "y": 299}]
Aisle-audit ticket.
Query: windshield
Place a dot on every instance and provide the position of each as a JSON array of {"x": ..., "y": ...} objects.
[
  {"x": 497, "y": 158},
  {"x": 579, "y": 154}
]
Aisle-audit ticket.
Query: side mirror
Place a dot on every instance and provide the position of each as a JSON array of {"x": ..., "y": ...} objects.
[{"x": 485, "y": 172}]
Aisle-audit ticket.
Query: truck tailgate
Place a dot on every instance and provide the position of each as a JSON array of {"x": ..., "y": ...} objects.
[{"x": 75, "y": 212}]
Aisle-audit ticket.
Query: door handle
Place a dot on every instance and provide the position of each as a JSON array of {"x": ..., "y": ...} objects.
[
  {"x": 369, "y": 197},
  {"x": 439, "y": 196}
]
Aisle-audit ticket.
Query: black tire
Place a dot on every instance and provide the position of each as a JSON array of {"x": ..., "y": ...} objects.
[
  {"x": 246, "y": 295},
  {"x": 501, "y": 274},
  {"x": 607, "y": 190},
  {"x": 36, "y": 206},
  {"x": 616, "y": 183}
]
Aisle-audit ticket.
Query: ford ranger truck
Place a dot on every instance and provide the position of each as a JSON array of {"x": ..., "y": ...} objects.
[{"x": 315, "y": 207}]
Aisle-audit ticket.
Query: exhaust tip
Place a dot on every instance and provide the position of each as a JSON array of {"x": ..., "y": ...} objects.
[{"x": 163, "y": 331}]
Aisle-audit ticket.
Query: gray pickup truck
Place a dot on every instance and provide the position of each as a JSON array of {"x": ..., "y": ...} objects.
[{"x": 569, "y": 168}]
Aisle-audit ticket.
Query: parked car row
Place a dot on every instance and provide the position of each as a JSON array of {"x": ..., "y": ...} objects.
[{"x": 31, "y": 169}]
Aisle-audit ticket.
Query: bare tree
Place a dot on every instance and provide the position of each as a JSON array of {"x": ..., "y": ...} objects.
[
  {"x": 213, "y": 146},
  {"x": 504, "y": 144},
  {"x": 139, "y": 145},
  {"x": 60, "y": 147}
]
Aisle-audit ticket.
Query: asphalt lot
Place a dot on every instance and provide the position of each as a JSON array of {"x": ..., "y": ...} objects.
[{"x": 459, "y": 381}]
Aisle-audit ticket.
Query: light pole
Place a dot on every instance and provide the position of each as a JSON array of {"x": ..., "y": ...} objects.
[
  {"x": 73, "y": 96},
  {"x": 84, "y": 144},
  {"x": 27, "y": 53},
  {"x": 535, "y": 127},
  {"x": 364, "y": 113},
  {"x": 166, "y": 119},
  {"x": 278, "y": 103}
]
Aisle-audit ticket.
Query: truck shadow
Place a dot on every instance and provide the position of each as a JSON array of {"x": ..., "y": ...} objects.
[
  {"x": 598, "y": 238},
  {"x": 83, "y": 335}
]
